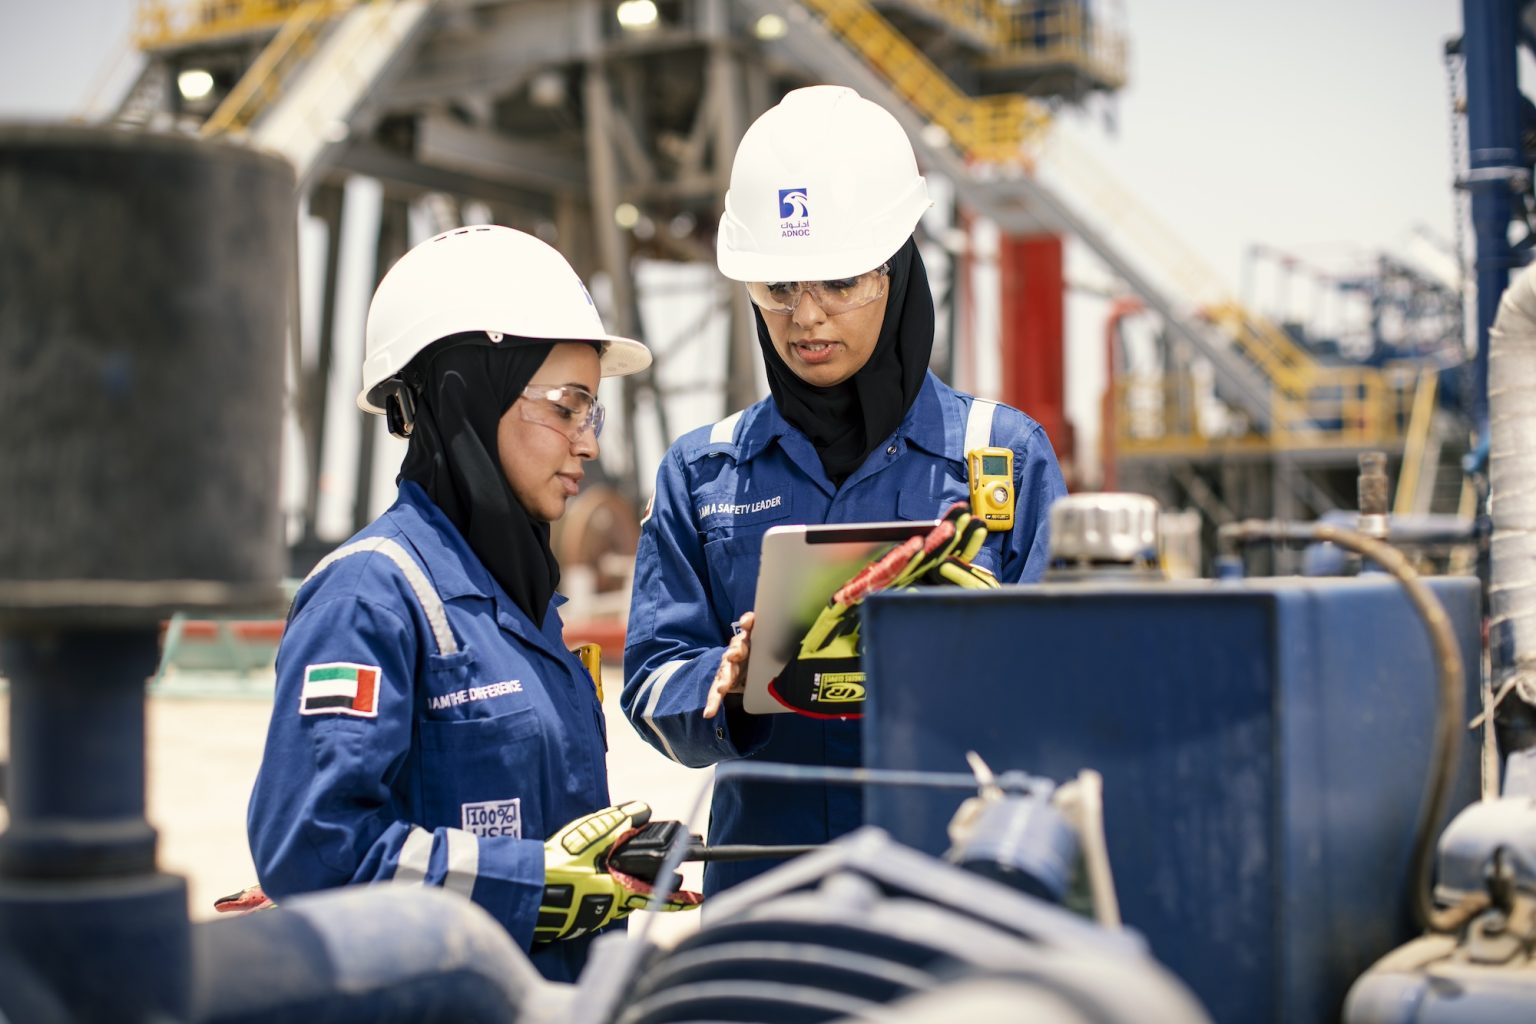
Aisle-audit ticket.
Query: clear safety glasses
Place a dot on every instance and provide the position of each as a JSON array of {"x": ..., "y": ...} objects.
[
  {"x": 567, "y": 408},
  {"x": 834, "y": 297}
]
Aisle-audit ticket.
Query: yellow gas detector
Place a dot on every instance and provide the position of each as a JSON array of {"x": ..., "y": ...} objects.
[
  {"x": 991, "y": 472},
  {"x": 591, "y": 658}
]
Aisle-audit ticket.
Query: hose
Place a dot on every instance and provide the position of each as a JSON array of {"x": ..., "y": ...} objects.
[{"x": 1446, "y": 747}]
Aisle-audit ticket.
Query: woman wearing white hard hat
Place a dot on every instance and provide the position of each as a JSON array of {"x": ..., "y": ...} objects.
[
  {"x": 824, "y": 198},
  {"x": 430, "y": 725}
]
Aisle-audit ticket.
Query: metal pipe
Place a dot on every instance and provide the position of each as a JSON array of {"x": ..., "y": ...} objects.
[
  {"x": 1494, "y": 173},
  {"x": 370, "y": 955},
  {"x": 1512, "y": 498},
  {"x": 82, "y": 908},
  {"x": 1446, "y": 746}
]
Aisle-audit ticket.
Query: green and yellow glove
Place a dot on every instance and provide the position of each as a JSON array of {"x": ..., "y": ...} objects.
[
  {"x": 824, "y": 678},
  {"x": 581, "y": 895}
]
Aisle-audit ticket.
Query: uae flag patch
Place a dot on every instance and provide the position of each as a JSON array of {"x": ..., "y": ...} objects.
[{"x": 340, "y": 688}]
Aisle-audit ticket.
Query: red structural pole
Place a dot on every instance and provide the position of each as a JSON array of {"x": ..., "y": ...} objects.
[{"x": 1032, "y": 331}]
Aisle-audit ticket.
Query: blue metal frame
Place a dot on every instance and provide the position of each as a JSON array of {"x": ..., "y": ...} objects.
[{"x": 1490, "y": 35}]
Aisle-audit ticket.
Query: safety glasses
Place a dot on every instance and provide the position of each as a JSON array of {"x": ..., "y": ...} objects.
[
  {"x": 834, "y": 297},
  {"x": 567, "y": 408}
]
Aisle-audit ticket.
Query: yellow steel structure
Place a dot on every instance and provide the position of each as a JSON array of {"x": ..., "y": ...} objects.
[
  {"x": 263, "y": 80},
  {"x": 1313, "y": 404},
  {"x": 1336, "y": 408},
  {"x": 1420, "y": 426},
  {"x": 987, "y": 129},
  {"x": 294, "y": 25},
  {"x": 161, "y": 22},
  {"x": 1025, "y": 34}
]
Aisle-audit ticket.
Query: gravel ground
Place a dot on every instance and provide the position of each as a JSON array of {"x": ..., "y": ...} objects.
[{"x": 204, "y": 749}]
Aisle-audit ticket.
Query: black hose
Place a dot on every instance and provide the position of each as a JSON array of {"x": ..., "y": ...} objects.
[
  {"x": 700, "y": 852},
  {"x": 1446, "y": 748}
]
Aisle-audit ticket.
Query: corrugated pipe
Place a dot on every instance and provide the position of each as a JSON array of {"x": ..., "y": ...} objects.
[{"x": 1512, "y": 490}]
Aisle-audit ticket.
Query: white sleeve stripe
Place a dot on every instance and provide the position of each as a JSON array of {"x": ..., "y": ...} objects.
[
  {"x": 650, "y": 692},
  {"x": 978, "y": 425},
  {"x": 463, "y": 862},
  {"x": 415, "y": 856},
  {"x": 723, "y": 431},
  {"x": 431, "y": 604}
]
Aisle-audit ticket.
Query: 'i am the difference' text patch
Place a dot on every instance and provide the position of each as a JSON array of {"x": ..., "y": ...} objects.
[{"x": 340, "y": 688}]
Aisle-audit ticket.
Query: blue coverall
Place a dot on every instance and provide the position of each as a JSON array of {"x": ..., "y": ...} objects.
[
  {"x": 718, "y": 491},
  {"x": 425, "y": 730}
]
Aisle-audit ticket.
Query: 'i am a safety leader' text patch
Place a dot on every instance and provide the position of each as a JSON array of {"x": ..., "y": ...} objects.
[{"x": 340, "y": 688}]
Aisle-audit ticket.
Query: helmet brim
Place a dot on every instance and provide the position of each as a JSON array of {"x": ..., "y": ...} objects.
[{"x": 620, "y": 357}]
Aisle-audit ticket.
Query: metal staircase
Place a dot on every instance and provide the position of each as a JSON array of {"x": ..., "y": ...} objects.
[
  {"x": 1431, "y": 479},
  {"x": 145, "y": 99},
  {"x": 1054, "y": 48},
  {"x": 992, "y": 129},
  {"x": 301, "y": 94},
  {"x": 263, "y": 82}
]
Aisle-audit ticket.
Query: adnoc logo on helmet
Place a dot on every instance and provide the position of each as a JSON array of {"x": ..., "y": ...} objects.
[{"x": 794, "y": 212}]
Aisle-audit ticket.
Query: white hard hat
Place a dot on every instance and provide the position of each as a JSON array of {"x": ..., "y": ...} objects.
[
  {"x": 824, "y": 186},
  {"x": 482, "y": 278}
]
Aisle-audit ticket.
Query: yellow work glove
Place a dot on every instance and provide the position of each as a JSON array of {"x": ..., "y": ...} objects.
[
  {"x": 580, "y": 894},
  {"x": 825, "y": 678}
]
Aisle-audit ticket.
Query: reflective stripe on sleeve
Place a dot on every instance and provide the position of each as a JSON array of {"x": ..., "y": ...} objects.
[
  {"x": 723, "y": 431},
  {"x": 651, "y": 694},
  {"x": 463, "y": 862},
  {"x": 415, "y": 856},
  {"x": 431, "y": 604},
  {"x": 978, "y": 426}
]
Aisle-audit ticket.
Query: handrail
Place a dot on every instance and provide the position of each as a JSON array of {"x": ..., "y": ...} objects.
[
  {"x": 160, "y": 23},
  {"x": 1421, "y": 424},
  {"x": 1023, "y": 33},
  {"x": 988, "y": 129},
  {"x": 1032, "y": 33},
  {"x": 1345, "y": 408},
  {"x": 263, "y": 78}
]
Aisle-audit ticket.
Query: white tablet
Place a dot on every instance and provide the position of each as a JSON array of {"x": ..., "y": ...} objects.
[{"x": 801, "y": 568}]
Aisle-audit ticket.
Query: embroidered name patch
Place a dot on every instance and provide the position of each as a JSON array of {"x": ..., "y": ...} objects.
[
  {"x": 493, "y": 818},
  {"x": 486, "y": 692},
  {"x": 726, "y": 508},
  {"x": 340, "y": 688}
]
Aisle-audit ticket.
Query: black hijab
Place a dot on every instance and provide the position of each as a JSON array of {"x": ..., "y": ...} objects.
[
  {"x": 463, "y": 385},
  {"x": 846, "y": 421}
]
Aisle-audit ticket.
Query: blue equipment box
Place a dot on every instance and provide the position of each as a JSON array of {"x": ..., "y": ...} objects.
[{"x": 1264, "y": 745}]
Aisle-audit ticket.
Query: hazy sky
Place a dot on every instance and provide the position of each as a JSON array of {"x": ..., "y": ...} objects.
[
  {"x": 1312, "y": 125},
  {"x": 1316, "y": 126}
]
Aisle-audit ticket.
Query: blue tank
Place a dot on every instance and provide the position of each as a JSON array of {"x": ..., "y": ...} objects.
[{"x": 1264, "y": 746}]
